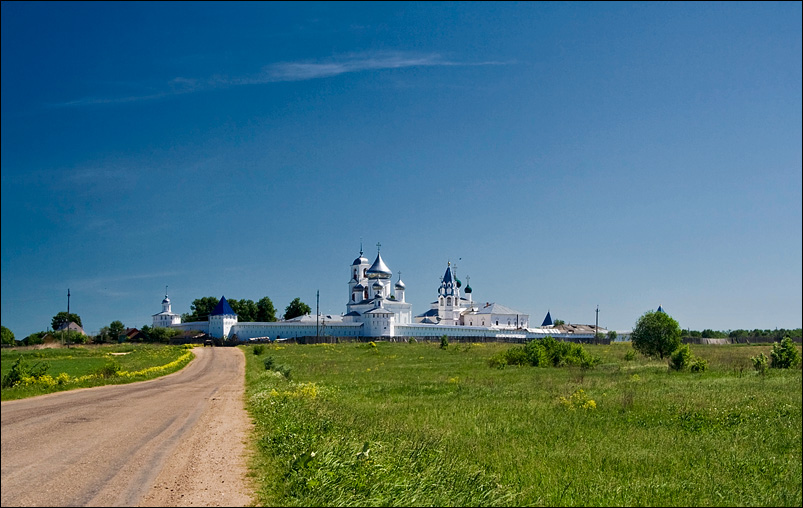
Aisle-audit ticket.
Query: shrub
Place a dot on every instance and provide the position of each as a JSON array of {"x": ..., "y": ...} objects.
[
  {"x": 268, "y": 363},
  {"x": 110, "y": 369},
  {"x": 784, "y": 355},
  {"x": 546, "y": 352},
  {"x": 630, "y": 355},
  {"x": 21, "y": 370},
  {"x": 760, "y": 363},
  {"x": 681, "y": 358},
  {"x": 259, "y": 349},
  {"x": 284, "y": 370},
  {"x": 698, "y": 364},
  {"x": 444, "y": 341}
]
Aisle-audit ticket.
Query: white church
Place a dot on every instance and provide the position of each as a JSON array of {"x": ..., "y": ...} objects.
[{"x": 377, "y": 308}]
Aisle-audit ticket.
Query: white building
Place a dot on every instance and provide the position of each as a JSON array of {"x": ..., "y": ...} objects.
[
  {"x": 167, "y": 317},
  {"x": 377, "y": 308}
]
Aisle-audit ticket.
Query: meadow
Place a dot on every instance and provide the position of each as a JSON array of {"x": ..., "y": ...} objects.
[
  {"x": 59, "y": 369},
  {"x": 398, "y": 424}
]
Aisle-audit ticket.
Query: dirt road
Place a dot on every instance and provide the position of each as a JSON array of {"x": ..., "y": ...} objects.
[{"x": 173, "y": 441}]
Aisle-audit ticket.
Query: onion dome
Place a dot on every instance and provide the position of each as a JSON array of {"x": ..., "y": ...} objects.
[
  {"x": 358, "y": 287},
  {"x": 459, "y": 284},
  {"x": 468, "y": 289},
  {"x": 379, "y": 270},
  {"x": 360, "y": 260},
  {"x": 400, "y": 285},
  {"x": 377, "y": 286},
  {"x": 166, "y": 300}
]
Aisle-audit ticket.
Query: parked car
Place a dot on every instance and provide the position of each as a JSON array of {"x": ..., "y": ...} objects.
[{"x": 208, "y": 342}]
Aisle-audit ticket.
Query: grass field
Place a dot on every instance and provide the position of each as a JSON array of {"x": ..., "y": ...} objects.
[
  {"x": 85, "y": 366},
  {"x": 397, "y": 424}
]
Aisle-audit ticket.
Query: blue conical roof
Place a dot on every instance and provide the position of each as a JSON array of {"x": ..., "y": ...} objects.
[
  {"x": 547, "y": 320},
  {"x": 223, "y": 308},
  {"x": 660, "y": 309}
]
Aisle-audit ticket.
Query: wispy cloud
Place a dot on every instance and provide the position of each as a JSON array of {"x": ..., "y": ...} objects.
[{"x": 291, "y": 71}]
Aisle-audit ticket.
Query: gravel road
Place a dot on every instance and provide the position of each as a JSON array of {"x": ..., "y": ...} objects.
[{"x": 178, "y": 440}]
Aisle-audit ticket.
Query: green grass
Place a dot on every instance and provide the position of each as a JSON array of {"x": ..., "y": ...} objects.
[
  {"x": 87, "y": 366},
  {"x": 415, "y": 425}
]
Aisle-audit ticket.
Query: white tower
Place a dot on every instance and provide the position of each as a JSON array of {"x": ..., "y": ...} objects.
[
  {"x": 400, "y": 287},
  {"x": 166, "y": 318},
  {"x": 448, "y": 299},
  {"x": 222, "y": 319}
]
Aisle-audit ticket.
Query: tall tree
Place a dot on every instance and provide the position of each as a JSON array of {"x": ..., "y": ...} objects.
[
  {"x": 296, "y": 308},
  {"x": 116, "y": 328},
  {"x": 246, "y": 310},
  {"x": 61, "y": 318},
  {"x": 656, "y": 333},
  {"x": 200, "y": 309},
  {"x": 266, "y": 312},
  {"x": 7, "y": 335}
]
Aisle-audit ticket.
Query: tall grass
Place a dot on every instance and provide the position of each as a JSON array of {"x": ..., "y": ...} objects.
[{"x": 416, "y": 425}]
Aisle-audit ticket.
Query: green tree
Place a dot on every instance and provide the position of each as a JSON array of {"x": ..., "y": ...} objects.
[
  {"x": 612, "y": 335},
  {"x": 34, "y": 338},
  {"x": 61, "y": 318},
  {"x": 784, "y": 355},
  {"x": 656, "y": 333},
  {"x": 146, "y": 331},
  {"x": 296, "y": 308},
  {"x": 200, "y": 309},
  {"x": 558, "y": 322},
  {"x": 7, "y": 335},
  {"x": 162, "y": 334},
  {"x": 116, "y": 328},
  {"x": 266, "y": 312},
  {"x": 246, "y": 310},
  {"x": 102, "y": 336}
]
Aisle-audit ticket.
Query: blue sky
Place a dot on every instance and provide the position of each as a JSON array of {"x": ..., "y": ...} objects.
[{"x": 564, "y": 155}]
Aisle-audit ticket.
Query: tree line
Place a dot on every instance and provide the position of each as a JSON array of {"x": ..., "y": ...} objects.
[{"x": 247, "y": 311}]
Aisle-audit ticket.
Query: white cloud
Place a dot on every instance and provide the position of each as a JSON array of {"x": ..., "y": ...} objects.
[{"x": 292, "y": 71}]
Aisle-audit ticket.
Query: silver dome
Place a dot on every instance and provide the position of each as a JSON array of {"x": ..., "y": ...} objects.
[{"x": 379, "y": 270}]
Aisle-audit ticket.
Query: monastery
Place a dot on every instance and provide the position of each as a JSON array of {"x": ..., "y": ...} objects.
[{"x": 377, "y": 308}]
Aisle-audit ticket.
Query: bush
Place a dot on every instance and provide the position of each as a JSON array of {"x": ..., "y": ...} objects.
[
  {"x": 444, "y": 342},
  {"x": 784, "y": 355},
  {"x": 20, "y": 369},
  {"x": 513, "y": 356},
  {"x": 681, "y": 358},
  {"x": 111, "y": 369},
  {"x": 268, "y": 363},
  {"x": 698, "y": 364},
  {"x": 545, "y": 352},
  {"x": 259, "y": 349},
  {"x": 630, "y": 355},
  {"x": 760, "y": 363}
]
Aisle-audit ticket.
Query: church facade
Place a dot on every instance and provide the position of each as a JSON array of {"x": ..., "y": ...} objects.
[{"x": 376, "y": 308}]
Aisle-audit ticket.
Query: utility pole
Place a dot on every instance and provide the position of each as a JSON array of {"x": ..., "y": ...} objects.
[
  {"x": 317, "y": 313},
  {"x": 63, "y": 330},
  {"x": 596, "y": 325}
]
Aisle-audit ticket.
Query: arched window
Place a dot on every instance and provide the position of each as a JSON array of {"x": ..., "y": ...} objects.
[{"x": 449, "y": 301}]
